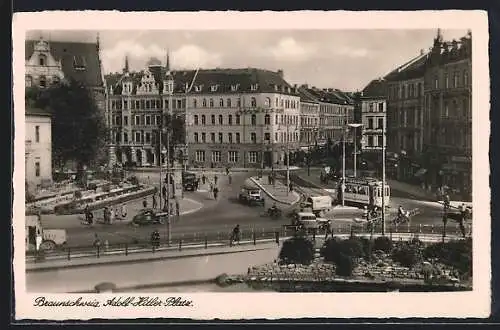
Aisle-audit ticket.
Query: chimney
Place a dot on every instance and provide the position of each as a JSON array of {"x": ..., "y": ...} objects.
[
  {"x": 280, "y": 73},
  {"x": 422, "y": 51}
]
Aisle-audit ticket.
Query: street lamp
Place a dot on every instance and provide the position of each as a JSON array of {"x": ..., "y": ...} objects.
[
  {"x": 355, "y": 126},
  {"x": 383, "y": 178}
]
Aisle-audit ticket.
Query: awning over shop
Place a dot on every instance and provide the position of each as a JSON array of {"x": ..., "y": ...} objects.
[{"x": 420, "y": 172}]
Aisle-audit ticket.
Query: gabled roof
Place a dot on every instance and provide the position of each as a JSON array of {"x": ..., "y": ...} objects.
[
  {"x": 225, "y": 79},
  {"x": 305, "y": 96},
  {"x": 71, "y": 53},
  {"x": 376, "y": 88},
  {"x": 415, "y": 68},
  {"x": 330, "y": 95},
  {"x": 30, "y": 111}
]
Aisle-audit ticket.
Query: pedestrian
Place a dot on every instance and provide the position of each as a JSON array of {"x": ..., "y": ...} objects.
[
  {"x": 229, "y": 178},
  {"x": 154, "y": 201},
  {"x": 86, "y": 213},
  {"x": 144, "y": 203},
  {"x": 177, "y": 208},
  {"x": 211, "y": 189},
  {"x": 290, "y": 186},
  {"x": 111, "y": 215},
  {"x": 124, "y": 211},
  {"x": 105, "y": 215},
  {"x": 227, "y": 170},
  {"x": 97, "y": 241},
  {"x": 269, "y": 179},
  {"x": 215, "y": 179},
  {"x": 38, "y": 239},
  {"x": 235, "y": 237},
  {"x": 203, "y": 178},
  {"x": 463, "y": 217},
  {"x": 328, "y": 229},
  {"x": 216, "y": 192},
  {"x": 197, "y": 184},
  {"x": 164, "y": 193},
  {"x": 117, "y": 213}
]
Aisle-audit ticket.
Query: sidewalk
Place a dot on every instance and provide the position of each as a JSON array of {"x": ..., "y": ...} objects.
[
  {"x": 414, "y": 190},
  {"x": 277, "y": 192}
]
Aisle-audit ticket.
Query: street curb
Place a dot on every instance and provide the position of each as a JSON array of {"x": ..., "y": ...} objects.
[
  {"x": 139, "y": 257},
  {"x": 273, "y": 197},
  {"x": 199, "y": 207}
]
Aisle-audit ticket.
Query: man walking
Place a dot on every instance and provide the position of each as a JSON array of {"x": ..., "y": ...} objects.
[
  {"x": 463, "y": 217},
  {"x": 177, "y": 208},
  {"x": 154, "y": 201}
]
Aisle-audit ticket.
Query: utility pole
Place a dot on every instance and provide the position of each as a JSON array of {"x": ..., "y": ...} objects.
[
  {"x": 169, "y": 229},
  {"x": 342, "y": 186},
  {"x": 160, "y": 162},
  {"x": 287, "y": 158}
]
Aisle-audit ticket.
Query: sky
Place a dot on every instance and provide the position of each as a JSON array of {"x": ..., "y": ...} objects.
[{"x": 343, "y": 59}]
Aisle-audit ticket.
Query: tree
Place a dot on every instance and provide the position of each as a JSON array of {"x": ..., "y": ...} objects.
[
  {"x": 79, "y": 130},
  {"x": 297, "y": 250},
  {"x": 175, "y": 127}
]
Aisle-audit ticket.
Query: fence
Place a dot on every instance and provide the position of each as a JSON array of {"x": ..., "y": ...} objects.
[{"x": 223, "y": 239}]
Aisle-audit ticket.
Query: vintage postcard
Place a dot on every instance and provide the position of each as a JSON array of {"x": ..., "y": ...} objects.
[{"x": 198, "y": 165}]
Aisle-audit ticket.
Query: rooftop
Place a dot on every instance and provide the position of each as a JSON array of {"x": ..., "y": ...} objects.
[{"x": 30, "y": 111}]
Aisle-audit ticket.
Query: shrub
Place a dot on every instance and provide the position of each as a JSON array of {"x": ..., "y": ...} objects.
[
  {"x": 382, "y": 243},
  {"x": 407, "y": 255},
  {"x": 106, "y": 188},
  {"x": 331, "y": 250},
  {"x": 457, "y": 254},
  {"x": 78, "y": 194},
  {"x": 344, "y": 265},
  {"x": 368, "y": 248},
  {"x": 297, "y": 250},
  {"x": 133, "y": 180}
]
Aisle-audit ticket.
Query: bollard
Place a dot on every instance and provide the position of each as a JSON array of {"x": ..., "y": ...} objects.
[
  {"x": 390, "y": 233},
  {"x": 98, "y": 251},
  {"x": 69, "y": 253},
  {"x": 262, "y": 231},
  {"x": 396, "y": 227},
  {"x": 180, "y": 245},
  {"x": 314, "y": 235},
  {"x": 206, "y": 242},
  {"x": 420, "y": 228},
  {"x": 432, "y": 229},
  {"x": 277, "y": 234},
  {"x": 254, "y": 239},
  {"x": 126, "y": 249}
]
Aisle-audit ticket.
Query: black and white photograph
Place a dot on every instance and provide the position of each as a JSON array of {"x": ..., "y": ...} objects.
[{"x": 173, "y": 164}]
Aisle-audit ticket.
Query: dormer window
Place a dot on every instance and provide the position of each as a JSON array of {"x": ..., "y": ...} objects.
[
  {"x": 254, "y": 87},
  {"x": 198, "y": 88},
  {"x": 79, "y": 62},
  {"x": 42, "y": 60},
  {"x": 276, "y": 88},
  {"x": 42, "y": 82},
  {"x": 213, "y": 88},
  {"x": 234, "y": 88}
]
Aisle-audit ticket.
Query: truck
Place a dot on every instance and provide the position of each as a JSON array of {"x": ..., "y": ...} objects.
[
  {"x": 319, "y": 204},
  {"x": 50, "y": 238},
  {"x": 250, "y": 194}
]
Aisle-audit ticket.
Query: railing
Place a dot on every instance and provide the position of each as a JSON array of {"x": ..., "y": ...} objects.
[{"x": 248, "y": 237}]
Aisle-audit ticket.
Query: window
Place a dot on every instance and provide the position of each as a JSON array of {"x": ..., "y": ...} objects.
[
  {"x": 254, "y": 120},
  {"x": 381, "y": 107},
  {"x": 196, "y": 140},
  {"x": 42, "y": 81},
  {"x": 267, "y": 119},
  {"x": 117, "y": 137},
  {"x": 137, "y": 120},
  {"x": 203, "y": 120},
  {"x": 213, "y": 119},
  {"x": 42, "y": 60},
  {"x": 268, "y": 102},
  {"x": 466, "y": 78},
  {"x": 230, "y": 137},
  {"x": 234, "y": 88},
  {"x": 37, "y": 134},
  {"x": 237, "y": 119},
  {"x": 455, "y": 80},
  {"x": 125, "y": 120},
  {"x": 233, "y": 156},
  {"x": 221, "y": 138},
  {"x": 253, "y": 137},
  {"x": 380, "y": 141},
  {"x": 277, "y": 100},
  {"x": 195, "y": 104},
  {"x": 125, "y": 137},
  {"x": 212, "y": 137},
  {"x": 403, "y": 92},
  {"x": 79, "y": 62},
  {"x": 216, "y": 156},
  {"x": 213, "y": 88},
  {"x": 446, "y": 81},
  {"x": 267, "y": 136},
  {"x": 148, "y": 137},
  {"x": 211, "y": 103},
  {"x": 253, "y": 102},
  {"x": 28, "y": 81},
  {"x": 200, "y": 155},
  {"x": 370, "y": 141},
  {"x": 238, "y": 138},
  {"x": 228, "y": 103},
  {"x": 370, "y": 107},
  {"x": 436, "y": 83},
  {"x": 380, "y": 123},
  {"x": 221, "y": 120},
  {"x": 137, "y": 136},
  {"x": 37, "y": 169},
  {"x": 446, "y": 110},
  {"x": 254, "y": 87},
  {"x": 252, "y": 157},
  {"x": 230, "y": 119},
  {"x": 221, "y": 102},
  {"x": 238, "y": 102},
  {"x": 196, "y": 119},
  {"x": 204, "y": 103},
  {"x": 148, "y": 120},
  {"x": 370, "y": 123}
]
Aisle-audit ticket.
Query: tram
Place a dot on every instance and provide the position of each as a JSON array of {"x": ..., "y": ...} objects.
[{"x": 365, "y": 192}]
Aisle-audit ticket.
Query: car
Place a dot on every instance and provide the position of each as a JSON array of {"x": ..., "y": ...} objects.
[
  {"x": 149, "y": 217},
  {"x": 250, "y": 194},
  {"x": 189, "y": 181}
]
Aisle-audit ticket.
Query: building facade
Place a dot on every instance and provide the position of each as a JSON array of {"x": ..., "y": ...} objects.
[
  {"x": 373, "y": 118},
  {"x": 448, "y": 113},
  {"x": 233, "y": 117},
  {"x": 310, "y": 132},
  {"x": 38, "y": 148}
]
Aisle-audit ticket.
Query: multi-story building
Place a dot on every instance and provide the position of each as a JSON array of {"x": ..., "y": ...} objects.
[
  {"x": 234, "y": 117},
  {"x": 336, "y": 110},
  {"x": 405, "y": 114},
  {"x": 49, "y": 62},
  {"x": 448, "y": 113},
  {"x": 38, "y": 148},
  {"x": 309, "y": 120},
  {"x": 373, "y": 105}
]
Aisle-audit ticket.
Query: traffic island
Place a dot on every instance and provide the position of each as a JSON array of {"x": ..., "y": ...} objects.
[{"x": 278, "y": 192}]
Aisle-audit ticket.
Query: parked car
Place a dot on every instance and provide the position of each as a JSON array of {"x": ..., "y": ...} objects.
[
  {"x": 189, "y": 181},
  {"x": 149, "y": 217}
]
